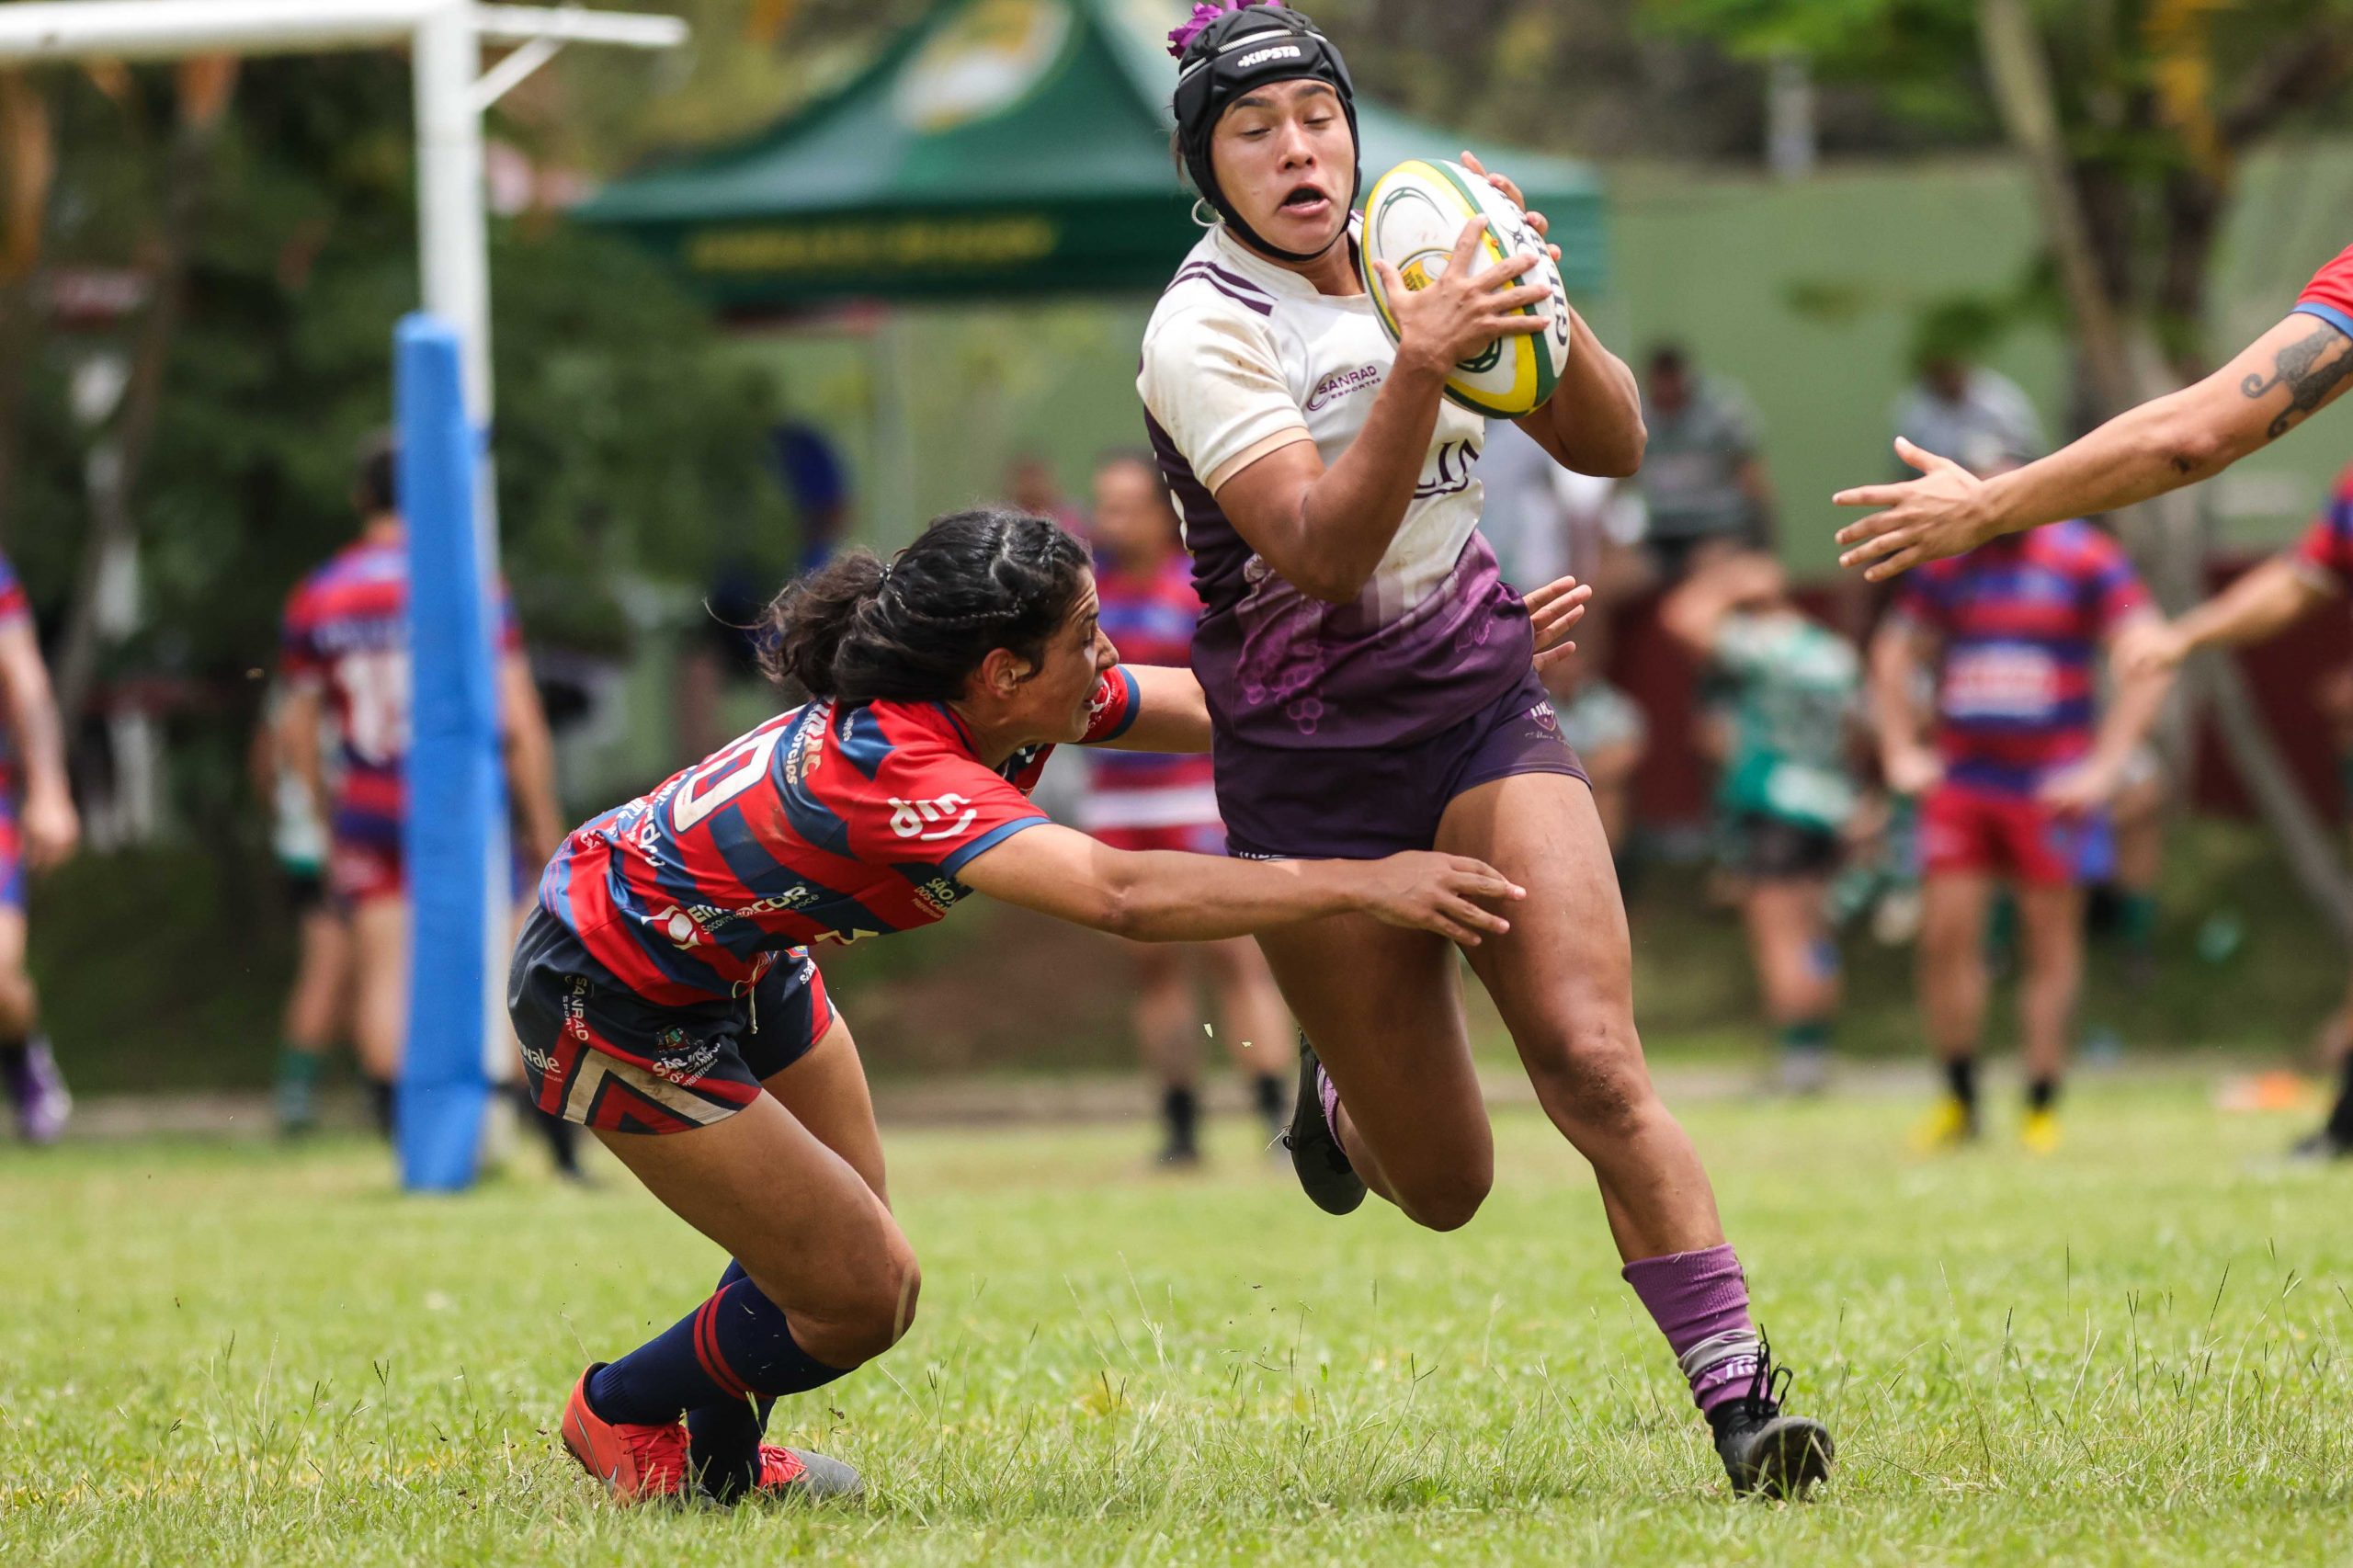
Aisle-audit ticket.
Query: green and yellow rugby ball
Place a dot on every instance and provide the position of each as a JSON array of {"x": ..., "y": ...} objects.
[{"x": 1412, "y": 218}]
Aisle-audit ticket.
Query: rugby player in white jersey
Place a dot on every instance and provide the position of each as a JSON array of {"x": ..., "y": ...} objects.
[{"x": 1369, "y": 675}]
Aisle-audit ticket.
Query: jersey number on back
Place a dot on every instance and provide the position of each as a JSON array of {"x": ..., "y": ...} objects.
[{"x": 723, "y": 778}]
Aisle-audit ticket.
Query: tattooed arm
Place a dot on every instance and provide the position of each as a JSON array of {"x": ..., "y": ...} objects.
[{"x": 2277, "y": 382}]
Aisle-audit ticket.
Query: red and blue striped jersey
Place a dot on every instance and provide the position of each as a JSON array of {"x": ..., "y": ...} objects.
[
  {"x": 1150, "y": 619},
  {"x": 831, "y": 823},
  {"x": 2329, "y": 295},
  {"x": 2327, "y": 546},
  {"x": 2021, "y": 619},
  {"x": 346, "y": 633}
]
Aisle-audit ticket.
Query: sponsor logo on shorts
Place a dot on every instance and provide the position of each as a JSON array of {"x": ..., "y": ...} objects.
[
  {"x": 575, "y": 1011},
  {"x": 914, "y": 819},
  {"x": 1340, "y": 383},
  {"x": 682, "y": 1059},
  {"x": 1260, "y": 56},
  {"x": 1546, "y": 719},
  {"x": 538, "y": 1061}
]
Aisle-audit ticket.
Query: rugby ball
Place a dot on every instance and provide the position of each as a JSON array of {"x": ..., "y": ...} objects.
[{"x": 1412, "y": 218}]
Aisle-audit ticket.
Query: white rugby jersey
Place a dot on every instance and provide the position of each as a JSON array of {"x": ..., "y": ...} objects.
[{"x": 1241, "y": 358}]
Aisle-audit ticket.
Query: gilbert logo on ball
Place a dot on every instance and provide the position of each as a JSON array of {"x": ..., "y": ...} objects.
[{"x": 1412, "y": 217}]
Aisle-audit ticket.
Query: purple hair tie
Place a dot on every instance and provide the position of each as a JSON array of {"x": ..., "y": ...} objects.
[{"x": 1181, "y": 38}]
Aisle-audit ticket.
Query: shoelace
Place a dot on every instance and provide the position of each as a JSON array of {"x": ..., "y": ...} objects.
[{"x": 1765, "y": 1384}]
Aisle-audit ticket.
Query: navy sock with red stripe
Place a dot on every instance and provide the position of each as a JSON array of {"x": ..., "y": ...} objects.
[
  {"x": 723, "y": 1440},
  {"x": 734, "y": 1347}
]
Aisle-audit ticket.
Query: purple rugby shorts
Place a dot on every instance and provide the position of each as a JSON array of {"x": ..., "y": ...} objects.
[{"x": 1352, "y": 804}]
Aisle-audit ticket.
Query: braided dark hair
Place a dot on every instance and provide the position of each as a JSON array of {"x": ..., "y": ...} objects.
[{"x": 916, "y": 628}]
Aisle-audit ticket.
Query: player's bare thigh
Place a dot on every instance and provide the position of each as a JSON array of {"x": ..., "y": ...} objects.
[
  {"x": 315, "y": 1003},
  {"x": 1383, "y": 1008},
  {"x": 826, "y": 1093},
  {"x": 16, "y": 983},
  {"x": 380, "y": 983}
]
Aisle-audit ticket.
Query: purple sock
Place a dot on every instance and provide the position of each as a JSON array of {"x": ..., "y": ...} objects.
[
  {"x": 1699, "y": 1301},
  {"x": 1327, "y": 1095}
]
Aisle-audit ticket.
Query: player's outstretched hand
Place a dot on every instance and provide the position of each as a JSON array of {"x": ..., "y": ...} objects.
[
  {"x": 1941, "y": 513},
  {"x": 1554, "y": 611},
  {"x": 1445, "y": 893},
  {"x": 1458, "y": 314}
]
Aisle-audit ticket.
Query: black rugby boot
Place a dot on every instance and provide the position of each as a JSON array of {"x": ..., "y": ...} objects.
[{"x": 1323, "y": 1166}]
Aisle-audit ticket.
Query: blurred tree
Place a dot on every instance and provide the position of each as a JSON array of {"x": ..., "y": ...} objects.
[{"x": 629, "y": 441}]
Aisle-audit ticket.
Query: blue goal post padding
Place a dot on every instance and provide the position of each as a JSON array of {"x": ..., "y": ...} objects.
[{"x": 453, "y": 831}]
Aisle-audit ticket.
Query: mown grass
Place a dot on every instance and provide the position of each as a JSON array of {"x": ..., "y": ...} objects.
[{"x": 2135, "y": 1352}]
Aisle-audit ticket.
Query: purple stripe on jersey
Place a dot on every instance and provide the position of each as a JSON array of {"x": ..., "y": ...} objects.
[
  {"x": 1202, "y": 274},
  {"x": 1244, "y": 284}
]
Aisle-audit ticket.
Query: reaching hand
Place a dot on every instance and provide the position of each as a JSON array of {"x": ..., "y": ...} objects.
[
  {"x": 1914, "y": 772},
  {"x": 51, "y": 829},
  {"x": 2150, "y": 646},
  {"x": 1941, "y": 513},
  {"x": 1438, "y": 892},
  {"x": 2071, "y": 792},
  {"x": 1456, "y": 314},
  {"x": 1554, "y": 611}
]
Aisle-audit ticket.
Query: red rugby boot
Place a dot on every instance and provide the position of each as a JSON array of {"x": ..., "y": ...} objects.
[
  {"x": 796, "y": 1472},
  {"x": 641, "y": 1463}
]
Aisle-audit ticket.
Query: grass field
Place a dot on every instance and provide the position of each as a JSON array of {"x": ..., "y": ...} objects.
[{"x": 2136, "y": 1352}]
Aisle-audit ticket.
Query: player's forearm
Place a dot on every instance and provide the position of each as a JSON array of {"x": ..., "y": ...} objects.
[
  {"x": 2260, "y": 606},
  {"x": 298, "y": 743},
  {"x": 2131, "y": 712},
  {"x": 1593, "y": 421},
  {"x": 1693, "y": 612},
  {"x": 1894, "y": 677},
  {"x": 1173, "y": 713},
  {"x": 2138, "y": 455},
  {"x": 1165, "y": 896},
  {"x": 530, "y": 771},
  {"x": 1350, "y": 513},
  {"x": 41, "y": 734}
]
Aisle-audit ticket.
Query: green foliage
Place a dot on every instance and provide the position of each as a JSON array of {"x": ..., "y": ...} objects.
[{"x": 628, "y": 439}]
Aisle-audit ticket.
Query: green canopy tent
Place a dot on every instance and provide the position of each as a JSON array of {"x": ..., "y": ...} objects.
[{"x": 1002, "y": 148}]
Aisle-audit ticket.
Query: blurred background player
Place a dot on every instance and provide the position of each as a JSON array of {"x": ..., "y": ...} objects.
[
  {"x": 2258, "y": 606},
  {"x": 1146, "y": 801},
  {"x": 1031, "y": 485},
  {"x": 1787, "y": 790},
  {"x": 2015, "y": 784},
  {"x": 1703, "y": 478},
  {"x": 346, "y": 646},
  {"x": 1954, "y": 405},
  {"x": 38, "y": 831},
  {"x": 317, "y": 1003}
]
